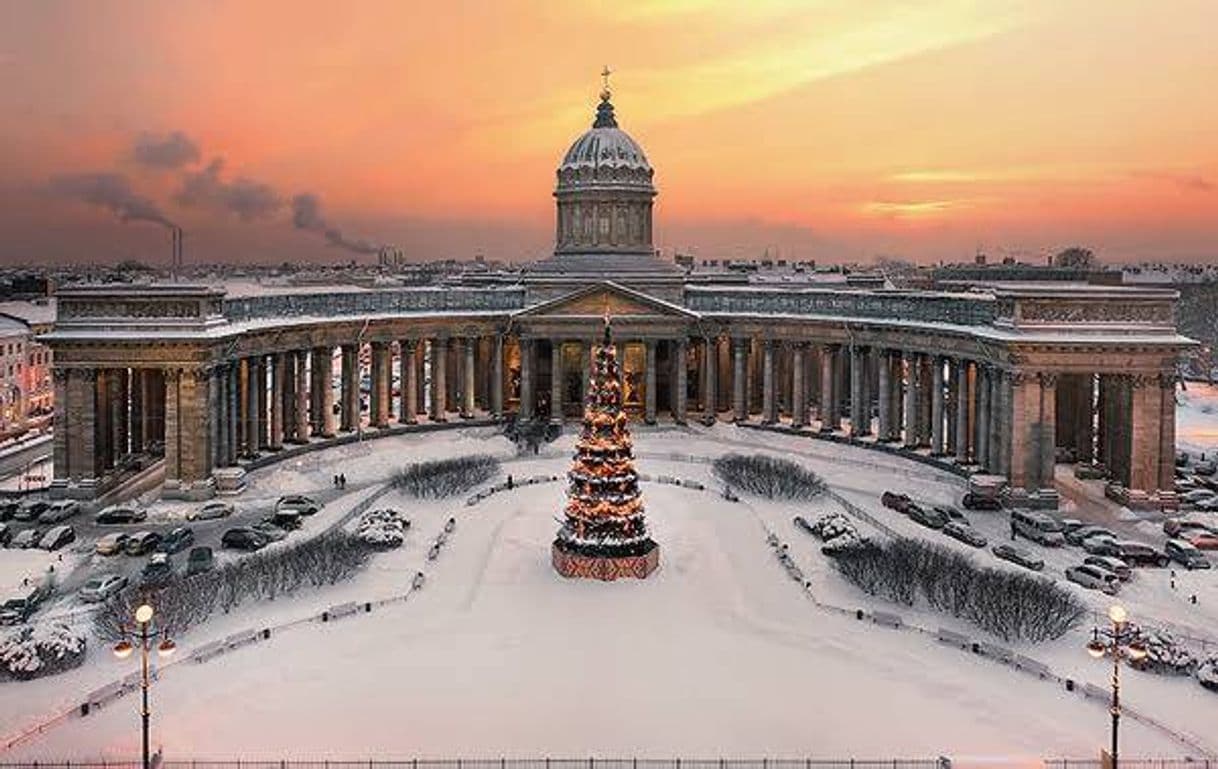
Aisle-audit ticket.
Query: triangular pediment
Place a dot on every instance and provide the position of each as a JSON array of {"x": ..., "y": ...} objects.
[{"x": 595, "y": 300}]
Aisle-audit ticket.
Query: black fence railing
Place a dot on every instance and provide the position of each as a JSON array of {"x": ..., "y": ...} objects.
[{"x": 603, "y": 763}]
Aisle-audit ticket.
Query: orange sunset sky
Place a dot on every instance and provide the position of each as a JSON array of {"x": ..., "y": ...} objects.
[{"x": 827, "y": 130}]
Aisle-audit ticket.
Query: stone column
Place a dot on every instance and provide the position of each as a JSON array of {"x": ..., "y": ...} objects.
[
  {"x": 232, "y": 398},
  {"x": 61, "y": 424},
  {"x": 278, "y": 371},
  {"x": 263, "y": 434},
  {"x": 408, "y": 413},
  {"x": 649, "y": 386},
  {"x": 253, "y": 373},
  {"x": 961, "y": 425},
  {"x": 884, "y": 396},
  {"x": 379, "y": 417},
  {"x": 122, "y": 432},
  {"x": 739, "y": 400},
  {"x": 1001, "y": 420},
  {"x": 289, "y": 396},
  {"x": 468, "y": 389},
  {"x": 139, "y": 411},
  {"x": 711, "y": 397},
  {"x": 215, "y": 417},
  {"x": 981, "y": 432},
  {"x": 303, "y": 399},
  {"x": 937, "y": 407},
  {"x": 799, "y": 391},
  {"x": 769, "y": 403},
  {"x": 348, "y": 396},
  {"x": 187, "y": 474},
  {"x": 1047, "y": 431},
  {"x": 497, "y": 378},
  {"x": 911, "y": 399},
  {"x": 1147, "y": 432},
  {"x": 829, "y": 420},
  {"x": 556, "y": 381},
  {"x": 324, "y": 358},
  {"x": 439, "y": 384},
  {"x": 526, "y": 379},
  {"x": 80, "y": 415},
  {"x": 857, "y": 398},
  {"x": 104, "y": 454},
  {"x": 681, "y": 411}
]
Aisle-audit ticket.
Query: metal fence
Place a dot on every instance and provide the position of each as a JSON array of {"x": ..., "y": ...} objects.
[{"x": 537, "y": 763}]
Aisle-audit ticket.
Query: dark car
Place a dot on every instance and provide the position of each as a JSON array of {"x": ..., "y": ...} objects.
[
  {"x": 8, "y": 510},
  {"x": 1186, "y": 555},
  {"x": 288, "y": 520},
  {"x": 6, "y": 534},
  {"x": 1083, "y": 533},
  {"x": 118, "y": 514},
  {"x": 199, "y": 560},
  {"x": 242, "y": 538},
  {"x": 30, "y": 511},
  {"x": 1019, "y": 557},
  {"x": 964, "y": 533},
  {"x": 142, "y": 543},
  {"x": 1134, "y": 553},
  {"x": 894, "y": 501},
  {"x": 973, "y": 501},
  {"x": 950, "y": 513},
  {"x": 157, "y": 571},
  {"x": 927, "y": 517},
  {"x": 177, "y": 540}
]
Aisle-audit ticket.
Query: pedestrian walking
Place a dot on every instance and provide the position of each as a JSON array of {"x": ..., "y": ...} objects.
[
  {"x": 510, "y": 483},
  {"x": 1013, "y": 530}
]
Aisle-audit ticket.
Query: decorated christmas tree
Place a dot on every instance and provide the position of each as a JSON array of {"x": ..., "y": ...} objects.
[{"x": 604, "y": 534}]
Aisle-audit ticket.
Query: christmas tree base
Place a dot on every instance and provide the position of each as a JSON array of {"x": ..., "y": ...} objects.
[{"x": 605, "y": 568}]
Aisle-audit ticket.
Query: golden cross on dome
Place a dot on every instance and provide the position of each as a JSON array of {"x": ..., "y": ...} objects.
[{"x": 605, "y": 73}]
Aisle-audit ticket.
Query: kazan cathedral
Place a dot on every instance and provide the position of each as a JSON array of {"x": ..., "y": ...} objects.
[{"x": 186, "y": 388}]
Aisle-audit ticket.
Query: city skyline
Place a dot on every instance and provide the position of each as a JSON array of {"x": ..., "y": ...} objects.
[{"x": 815, "y": 131}]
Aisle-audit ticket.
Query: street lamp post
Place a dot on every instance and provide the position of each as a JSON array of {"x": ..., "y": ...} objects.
[
  {"x": 1122, "y": 643},
  {"x": 143, "y": 636}
]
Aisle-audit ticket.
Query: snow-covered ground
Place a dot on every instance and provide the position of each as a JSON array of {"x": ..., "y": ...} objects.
[{"x": 718, "y": 653}]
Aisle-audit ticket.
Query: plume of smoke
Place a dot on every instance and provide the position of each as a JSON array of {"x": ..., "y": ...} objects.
[
  {"x": 165, "y": 151},
  {"x": 247, "y": 198},
  {"x": 306, "y": 215},
  {"x": 112, "y": 192}
]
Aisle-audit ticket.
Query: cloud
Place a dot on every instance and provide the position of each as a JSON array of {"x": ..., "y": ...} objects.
[
  {"x": 111, "y": 191},
  {"x": 165, "y": 151},
  {"x": 246, "y": 198},
  {"x": 912, "y": 209},
  {"x": 306, "y": 215},
  {"x": 1189, "y": 182}
]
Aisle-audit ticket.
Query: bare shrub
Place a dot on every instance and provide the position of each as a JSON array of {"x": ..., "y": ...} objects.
[
  {"x": 768, "y": 477},
  {"x": 441, "y": 478},
  {"x": 1009, "y": 605}
]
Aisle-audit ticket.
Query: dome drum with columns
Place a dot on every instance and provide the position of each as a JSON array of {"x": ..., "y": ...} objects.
[{"x": 604, "y": 192}]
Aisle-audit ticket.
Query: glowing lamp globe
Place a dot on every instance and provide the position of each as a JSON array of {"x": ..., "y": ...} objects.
[
  {"x": 123, "y": 649},
  {"x": 143, "y": 614},
  {"x": 1117, "y": 614},
  {"x": 166, "y": 648}
]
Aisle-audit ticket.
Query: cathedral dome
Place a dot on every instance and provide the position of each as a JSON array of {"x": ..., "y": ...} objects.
[{"x": 605, "y": 145}]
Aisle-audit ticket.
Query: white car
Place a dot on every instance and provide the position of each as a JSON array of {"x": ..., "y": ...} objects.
[
  {"x": 1094, "y": 578},
  {"x": 1098, "y": 545},
  {"x": 101, "y": 587},
  {"x": 211, "y": 511},
  {"x": 298, "y": 502},
  {"x": 56, "y": 537},
  {"x": 1197, "y": 495},
  {"x": 60, "y": 511}
]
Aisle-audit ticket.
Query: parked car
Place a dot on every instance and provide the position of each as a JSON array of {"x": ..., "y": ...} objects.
[
  {"x": 894, "y": 501},
  {"x": 244, "y": 538},
  {"x": 1196, "y": 495},
  {"x": 1133, "y": 553},
  {"x": 1019, "y": 557},
  {"x": 1099, "y": 544},
  {"x": 142, "y": 543},
  {"x": 1205, "y": 467},
  {"x": 21, "y": 605},
  {"x": 1185, "y": 554},
  {"x": 1094, "y": 578},
  {"x": 60, "y": 511},
  {"x": 157, "y": 571},
  {"x": 926, "y": 517},
  {"x": 1110, "y": 563},
  {"x": 1038, "y": 527},
  {"x": 6, "y": 534},
  {"x": 120, "y": 514},
  {"x": 30, "y": 511},
  {"x": 269, "y": 530},
  {"x": 288, "y": 520},
  {"x": 1208, "y": 506},
  {"x": 8, "y": 509},
  {"x": 56, "y": 537},
  {"x": 1173, "y": 527},
  {"x": 211, "y": 511},
  {"x": 111, "y": 544},
  {"x": 1202, "y": 539},
  {"x": 177, "y": 540},
  {"x": 101, "y": 587},
  {"x": 950, "y": 513},
  {"x": 802, "y": 523},
  {"x": 1082, "y": 533},
  {"x": 964, "y": 533},
  {"x": 298, "y": 502},
  {"x": 1070, "y": 524},
  {"x": 973, "y": 501},
  {"x": 199, "y": 560},
  {"x": 27, "y": 538}
]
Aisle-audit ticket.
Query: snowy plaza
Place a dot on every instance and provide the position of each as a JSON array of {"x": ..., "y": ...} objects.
[{"x": 719, "y": 653}]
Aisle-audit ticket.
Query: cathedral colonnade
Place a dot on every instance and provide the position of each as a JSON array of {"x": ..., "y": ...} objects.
[{"x": 233, "y": 393}]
